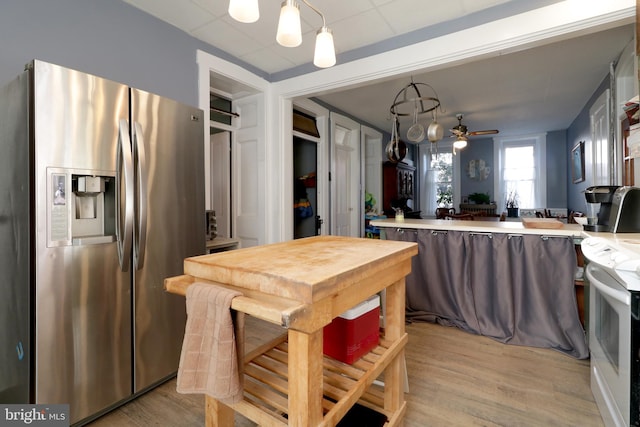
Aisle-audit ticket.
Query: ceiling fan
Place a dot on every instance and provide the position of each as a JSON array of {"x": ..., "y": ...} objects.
[
  {"x": 462, "y": 134},
  {"x": 461, "y": 130}
]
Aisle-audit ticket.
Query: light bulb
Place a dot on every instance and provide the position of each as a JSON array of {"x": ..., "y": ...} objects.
[
  {"x": 460, "y": 143},
  {"x": 289, "y": 33},
  {"x": 246, "y": 11},
  {"x": 325, "y": 53}
]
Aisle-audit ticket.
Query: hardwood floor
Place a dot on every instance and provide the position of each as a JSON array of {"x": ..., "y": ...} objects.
[{"x": 455, "y": 379}]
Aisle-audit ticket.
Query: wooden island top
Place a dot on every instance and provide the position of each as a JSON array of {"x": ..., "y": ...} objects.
[
  {"x": 302, "y": 285},
  {"x": 306, "y": 270}
]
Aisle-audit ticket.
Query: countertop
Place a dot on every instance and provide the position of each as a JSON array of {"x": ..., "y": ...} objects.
[
  {"x": 630, "y": 241},
  {"x": 516, "y": 227},
  {"x": 305, "y": 270}
]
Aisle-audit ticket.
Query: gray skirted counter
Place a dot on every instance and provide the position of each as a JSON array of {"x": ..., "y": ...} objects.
[{"x": 497, "y": 279}]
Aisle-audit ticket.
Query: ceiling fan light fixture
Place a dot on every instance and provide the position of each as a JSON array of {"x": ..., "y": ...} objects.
[
  {"x": 289, "y": 32},
  {"x": 325, "y": 53},
  {"x": 246, "y": 11},
  {"x": 460, "y": 143}
]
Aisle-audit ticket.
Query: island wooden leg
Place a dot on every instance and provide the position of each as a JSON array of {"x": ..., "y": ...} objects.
[
  {"x": 394, "y": 329},
  {"x": 218, "y": 414},
  {"x": 305, "y": 378}
]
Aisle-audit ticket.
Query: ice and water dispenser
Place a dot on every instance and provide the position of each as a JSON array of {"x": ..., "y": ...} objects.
[{"x": 82, "y": 208}]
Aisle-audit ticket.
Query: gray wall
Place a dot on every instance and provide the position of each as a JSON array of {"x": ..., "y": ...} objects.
[
  {"x": 477, "y": 149},
  {"x": 561, "y": 191},
  {"x": 580, "y": 130},
  {"x": 108, "y": 38},
  {"x": 482, "y": 148},
  {"x": 556, "y": 172}
]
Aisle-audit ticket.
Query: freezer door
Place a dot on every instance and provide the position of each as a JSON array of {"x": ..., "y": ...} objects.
[
  {"x": 82, "y": 297},
  {"x": 168, "y": 140},
  {"x": 15, "y": 243}
]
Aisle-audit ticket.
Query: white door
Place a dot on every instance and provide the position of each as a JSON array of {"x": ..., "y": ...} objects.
[
  {"x": 372, "y": 149},
  {"x": 220, "y": 180},
  {"x": 248, "y": 182},
  {"x": 601, "y": 146},
  {"x": 347, "y": 200}
]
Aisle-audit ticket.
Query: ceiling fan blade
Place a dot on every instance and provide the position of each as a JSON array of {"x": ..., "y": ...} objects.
[{"x": 483, "y": 132}]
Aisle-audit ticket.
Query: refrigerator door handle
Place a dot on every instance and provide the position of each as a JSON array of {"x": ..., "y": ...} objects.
[
  {"x": 124, "y": 202},
  {"x": 140, "y": 226}
]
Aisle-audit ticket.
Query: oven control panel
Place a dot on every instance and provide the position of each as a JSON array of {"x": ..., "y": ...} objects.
[
  {"x": 617, "y": 259},
  {"x": 600, "y": 252}
]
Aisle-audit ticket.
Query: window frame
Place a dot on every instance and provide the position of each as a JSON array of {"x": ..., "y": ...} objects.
[
  {"x": 539, "y": 142},
  {"x": 424, "y": 155}
]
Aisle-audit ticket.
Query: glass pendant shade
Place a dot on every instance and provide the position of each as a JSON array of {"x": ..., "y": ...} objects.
[
  {"x": 460, "y": 143},
  {"x": 246, "y": 11},
  {"x": 325, "y": 53},
  {"x": 289, "y": 32}
]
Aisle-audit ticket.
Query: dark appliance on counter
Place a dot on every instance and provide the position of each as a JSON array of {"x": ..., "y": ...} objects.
[
  {"x": 625, "y": 210},
  {"x": 599, "y": 200}
]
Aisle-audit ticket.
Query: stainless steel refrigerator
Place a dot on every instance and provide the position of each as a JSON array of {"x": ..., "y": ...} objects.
[{"x": 101, "y": 199}]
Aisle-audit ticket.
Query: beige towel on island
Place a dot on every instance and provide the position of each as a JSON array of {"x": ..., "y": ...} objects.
[{"x": 211, "y": 358}]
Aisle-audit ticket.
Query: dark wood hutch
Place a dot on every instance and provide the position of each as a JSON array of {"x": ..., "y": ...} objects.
[{"x": 399, "y": 188}]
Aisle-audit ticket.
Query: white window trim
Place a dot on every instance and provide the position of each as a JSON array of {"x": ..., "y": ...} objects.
[{"x": 541, "y": 162}]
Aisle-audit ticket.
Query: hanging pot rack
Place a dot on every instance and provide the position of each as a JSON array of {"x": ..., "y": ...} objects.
[{"x": 402, "y": 99}]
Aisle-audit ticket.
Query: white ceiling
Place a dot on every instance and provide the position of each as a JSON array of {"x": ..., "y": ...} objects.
[
  {"x": 536, "y": 90},
  {"x": 355, "y": 23}
]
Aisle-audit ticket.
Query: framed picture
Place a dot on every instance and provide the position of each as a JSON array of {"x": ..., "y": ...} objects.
[{"x": 577, "y": 162}]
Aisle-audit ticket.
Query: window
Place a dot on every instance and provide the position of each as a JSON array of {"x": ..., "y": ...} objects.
[
  {"x": 438, "y": 181},
  {"x": 521, "y": 163}
]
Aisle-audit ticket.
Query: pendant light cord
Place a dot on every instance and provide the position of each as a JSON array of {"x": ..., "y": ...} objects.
[{"x": 324, "y": 22}]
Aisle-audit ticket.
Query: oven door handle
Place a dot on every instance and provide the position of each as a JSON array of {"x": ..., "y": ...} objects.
[{"x": 622, "y": 297}]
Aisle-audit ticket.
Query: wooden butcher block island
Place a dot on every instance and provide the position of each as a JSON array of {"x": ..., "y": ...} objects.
[{"x": 303, "y": 285}]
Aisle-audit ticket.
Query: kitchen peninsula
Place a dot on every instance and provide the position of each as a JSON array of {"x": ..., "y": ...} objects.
[
  {"x": 568, "y": 230},
  {"x": 498, "y": 279}
]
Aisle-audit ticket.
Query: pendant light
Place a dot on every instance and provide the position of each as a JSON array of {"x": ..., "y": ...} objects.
[
  {"x": 325, "y": 53},
  {"x": 289, "y": 33},
  {"x": 246, "y": 11}
]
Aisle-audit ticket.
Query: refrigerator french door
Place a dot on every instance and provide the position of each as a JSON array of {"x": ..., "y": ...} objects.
[{"x": 102, "y": 198}]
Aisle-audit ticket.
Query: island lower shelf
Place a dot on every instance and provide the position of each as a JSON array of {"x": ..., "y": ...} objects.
[{"x": 266, "y": 384}]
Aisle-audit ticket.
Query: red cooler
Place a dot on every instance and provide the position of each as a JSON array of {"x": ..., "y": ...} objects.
[{"x": 354, "y": 333}]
